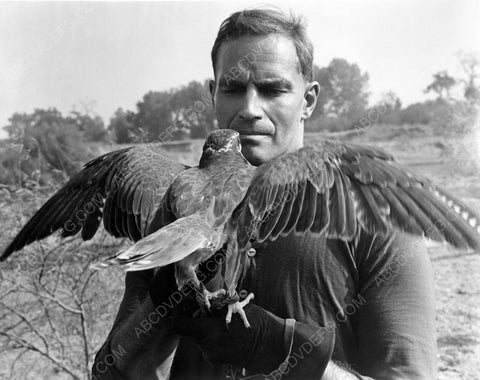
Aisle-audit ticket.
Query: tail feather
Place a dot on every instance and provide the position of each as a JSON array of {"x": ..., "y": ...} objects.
[{"x": 168, "y": 245}]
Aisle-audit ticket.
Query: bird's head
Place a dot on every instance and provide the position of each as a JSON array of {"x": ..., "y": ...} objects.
[{"x": 223, "y": 140}]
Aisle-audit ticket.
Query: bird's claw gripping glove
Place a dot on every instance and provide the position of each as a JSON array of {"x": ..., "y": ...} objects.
[{"x": 270, "y": 347}]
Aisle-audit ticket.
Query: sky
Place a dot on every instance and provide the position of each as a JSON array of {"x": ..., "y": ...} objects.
[{"x": 109, "y": 54}]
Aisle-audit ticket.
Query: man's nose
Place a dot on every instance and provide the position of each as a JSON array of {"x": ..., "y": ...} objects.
[{"x": 250, "y": 108}]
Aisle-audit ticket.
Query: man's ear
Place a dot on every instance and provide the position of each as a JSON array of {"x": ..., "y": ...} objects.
[
  {"x": 211, "y": 87},
  {"x": 312, "y": 90}
]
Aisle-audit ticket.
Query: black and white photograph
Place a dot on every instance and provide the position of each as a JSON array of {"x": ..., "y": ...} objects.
[{"x": 233, "y": 190}]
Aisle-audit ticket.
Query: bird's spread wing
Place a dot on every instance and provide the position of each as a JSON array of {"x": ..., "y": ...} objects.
[
  {"x": 336, "y": 189},
  {"x": 124, "y": 187}
]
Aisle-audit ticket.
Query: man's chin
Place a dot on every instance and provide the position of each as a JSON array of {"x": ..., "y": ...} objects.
[{"x": 257, "y": 153}]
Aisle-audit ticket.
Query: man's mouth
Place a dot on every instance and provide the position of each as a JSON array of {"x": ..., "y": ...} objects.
[
  {"x": 247, "y": 130},
  {"x": 252, "y": 133}
]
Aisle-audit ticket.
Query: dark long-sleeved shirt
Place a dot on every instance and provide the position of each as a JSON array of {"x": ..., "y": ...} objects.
[{"x": 377, "y": 292}]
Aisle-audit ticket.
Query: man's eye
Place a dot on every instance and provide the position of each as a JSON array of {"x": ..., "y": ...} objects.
[
  {"x": 274, "y": 91},
  {"x": 231, "y": 90}
]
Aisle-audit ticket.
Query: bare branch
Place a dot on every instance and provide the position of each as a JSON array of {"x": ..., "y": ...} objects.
[
  {"x": 51, "y": 324},
  {"x": 29, "y": 324},
  {"x": 22, "y": 352},
  {"x": 32, "y": 347},
  {"x": 58, "y": 302}
]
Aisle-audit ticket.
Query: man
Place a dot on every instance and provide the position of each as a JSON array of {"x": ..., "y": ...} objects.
[{"x": 323, "y": 308}]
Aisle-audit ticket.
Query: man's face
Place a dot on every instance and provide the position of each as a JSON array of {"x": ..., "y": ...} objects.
[{"x": 260, "y": 92}]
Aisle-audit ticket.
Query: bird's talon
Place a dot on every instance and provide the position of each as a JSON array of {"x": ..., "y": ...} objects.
[
  {"x": 237, "y": 307},
  {"x": 205, "y": 297},
  {"x": 247, "y": 300}
]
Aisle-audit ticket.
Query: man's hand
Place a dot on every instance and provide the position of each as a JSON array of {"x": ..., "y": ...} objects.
[
  {"x": 259, "y": 348},
  {"x": 262, "y": 348}
]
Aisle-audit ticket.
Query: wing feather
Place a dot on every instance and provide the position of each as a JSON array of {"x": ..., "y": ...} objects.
[
  {"x": 296, "y": 209},
  {"x": 91, "y": 224},
  {"x": 104, "y": 188},
  {"x": 271, "y": 214},
  {"x": 378, "y": 211},
  {"x": 338, "y": 198},
  {"x": 452, "y": 226},
  {"x": 286, "y": 212},
  {"x": 341, "y": 188},
  {"x": 400, "y": 216},
  {"x": 322, "y": 216},
  {"x": 309, "y": 206},
  {"x": 416, "y": 212},
  {"x": 350, "y": 209}
]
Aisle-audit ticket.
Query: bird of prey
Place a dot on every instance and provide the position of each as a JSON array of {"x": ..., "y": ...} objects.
[{"x": 182, "y": 216}]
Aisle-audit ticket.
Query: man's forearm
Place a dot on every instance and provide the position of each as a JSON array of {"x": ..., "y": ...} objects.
[
  {"x": 311, "y": 347},
  {"x": 139, "y": 347},
  {"x": 309, "y": 354}
]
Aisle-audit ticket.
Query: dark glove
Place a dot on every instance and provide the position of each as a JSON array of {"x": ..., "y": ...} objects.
[
  {"x": 259, "y": 349},
  {"x": 236, "y": 344},
  {"x": 163, "y": 285}
]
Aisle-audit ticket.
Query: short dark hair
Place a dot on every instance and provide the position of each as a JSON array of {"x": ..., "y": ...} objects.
[{"x": 262, "y": 22}]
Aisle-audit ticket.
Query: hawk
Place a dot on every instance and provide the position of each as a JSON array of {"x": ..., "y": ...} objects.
[{"x": 182, "y": 216}]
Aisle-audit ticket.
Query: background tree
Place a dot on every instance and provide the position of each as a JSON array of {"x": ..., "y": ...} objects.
[
  {"x": 122, "y": 127},
  {"x": 422, "y": 112},
  {"x": 194, "y": 109},
  {"x": 389, "y": 108},
  {"x": 45, "y": 145},
  {"x": 470, "y": 64},
  {"x": 92, "y": 128},
  {"x": 441, "y": 84},
  {"x": 45, "y": 140},
  {"x": 343, "y": 98},
  {"x": 153, "y": 115},
  {"x": 175, "y": 114},
  {"x": 88, "y": 122}
]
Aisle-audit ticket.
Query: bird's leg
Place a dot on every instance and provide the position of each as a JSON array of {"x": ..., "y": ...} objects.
[
  {"x": 204, "y": 296},
  {"x": 186, "y": 275},
  {"x": 237, "y": 307}
]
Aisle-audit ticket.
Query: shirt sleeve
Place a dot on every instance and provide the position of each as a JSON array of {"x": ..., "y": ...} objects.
[
  {"x": 396, "y": 325},
  {"x": 136, "y": 291}
]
